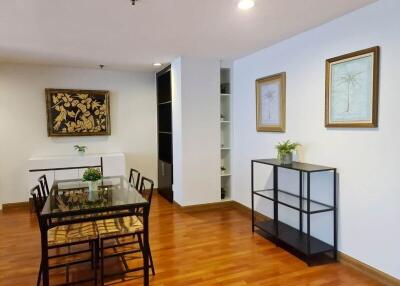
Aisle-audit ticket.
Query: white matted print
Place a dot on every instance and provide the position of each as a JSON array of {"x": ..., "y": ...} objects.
[
  {"x": 352, "y": 89},
  {"x": 271, "y": 98}
]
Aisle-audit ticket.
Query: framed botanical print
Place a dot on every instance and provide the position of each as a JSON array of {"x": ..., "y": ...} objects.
[
  {"x": 271, "y": 103},
  {"x": 351, "y": 89},
  {"x": 72, "y": 112}
]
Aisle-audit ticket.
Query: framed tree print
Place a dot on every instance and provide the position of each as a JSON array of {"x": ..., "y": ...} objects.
[
  {"x": 271, "y": 103},
  {"x": 351, "y": 89},
  {"x": 72, "y": 112}
]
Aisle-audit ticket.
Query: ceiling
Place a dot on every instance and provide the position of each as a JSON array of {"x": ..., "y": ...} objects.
[{"x": 121, "y": 36}]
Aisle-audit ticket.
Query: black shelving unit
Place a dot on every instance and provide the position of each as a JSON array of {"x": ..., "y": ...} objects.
[
  {"x": 164, "y": 111},
  {"x": 296, "y": 238}
]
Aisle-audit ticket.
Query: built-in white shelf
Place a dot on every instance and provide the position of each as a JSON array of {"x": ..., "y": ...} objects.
[{"x": 225, "y": 144}]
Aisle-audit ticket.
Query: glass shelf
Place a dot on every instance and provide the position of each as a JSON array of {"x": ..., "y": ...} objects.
[
  {"x": 294, "y": 238},
  {"x": 293, "y": 201}
]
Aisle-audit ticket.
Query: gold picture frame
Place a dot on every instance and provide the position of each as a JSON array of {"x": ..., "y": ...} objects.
[
  {"x": 271, "y": 103},
  {"x": 77, "y": 112},
  {"x": 352, "y": 89}
]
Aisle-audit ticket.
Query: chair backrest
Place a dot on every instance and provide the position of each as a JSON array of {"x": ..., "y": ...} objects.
[
  {"x": 44, "y": 187},
  {"x": 134, "y": 178},
  {"x": 146, "y": 189},
  {"x": 38, "y": 200}
]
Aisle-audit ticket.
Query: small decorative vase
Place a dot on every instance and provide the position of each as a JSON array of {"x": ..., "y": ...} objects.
[
  {"x": 286, "y": 159},
  {"x": 93, "y": 186},
  {"x": 81, "y": 153},
  {"x": 93, "y": 196}
]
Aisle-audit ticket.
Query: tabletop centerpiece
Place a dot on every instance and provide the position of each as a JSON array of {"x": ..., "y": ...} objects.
[
  {"x": 92, "y": 176},
  {"x": 285, "y": 151}
]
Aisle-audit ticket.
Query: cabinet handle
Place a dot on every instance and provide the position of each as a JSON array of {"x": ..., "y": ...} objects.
[{"x": 162, "y": 169}]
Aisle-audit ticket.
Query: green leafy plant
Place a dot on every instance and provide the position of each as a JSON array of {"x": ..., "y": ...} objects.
[
  {"x": 285, "y": 148},
  {"x": 80, "y": 148},
  {"x": 92, "y": 175}
]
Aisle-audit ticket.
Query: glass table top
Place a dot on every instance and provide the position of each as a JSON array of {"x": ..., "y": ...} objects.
[{"x": 68, "y": 196}]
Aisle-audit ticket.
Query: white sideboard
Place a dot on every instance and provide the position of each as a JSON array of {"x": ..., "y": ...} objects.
[{"x": 113, "y": 165}]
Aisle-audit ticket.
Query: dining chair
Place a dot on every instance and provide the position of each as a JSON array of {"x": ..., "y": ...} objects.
[
  {"x": 124, "y": 227},
  {"x": 44, "y": 186},
  {"x": 134, "y": 178},
  {"x": 66, "y": 236},
  {"x": 146, "y": 190}
]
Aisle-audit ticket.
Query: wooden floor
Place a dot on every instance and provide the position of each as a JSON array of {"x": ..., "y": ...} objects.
[{"x": 190, "y": 248}]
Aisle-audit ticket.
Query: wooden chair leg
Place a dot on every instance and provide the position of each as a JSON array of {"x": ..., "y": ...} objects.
[
  {"x": 150, "y": 257},
  {"x": 94, "y": 246},
  {"x": 39, "y": 278},
  {"x": 91, "y": 246},
  {"x": 94, "y": 260},
  {"x": 101, "y": 262},
  {"x": 153, "y": 272},
  {"x": 97, "y": 254}
]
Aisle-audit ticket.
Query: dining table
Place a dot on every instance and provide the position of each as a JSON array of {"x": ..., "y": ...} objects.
[{"x": 71, "y": 201}]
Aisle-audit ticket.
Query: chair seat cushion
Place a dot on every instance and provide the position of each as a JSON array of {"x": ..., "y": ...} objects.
[
  {"x": 122, "y": 225},
  {"x": 72, "y": 233}
]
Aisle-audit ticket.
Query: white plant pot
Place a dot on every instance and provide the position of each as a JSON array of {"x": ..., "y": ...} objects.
[
  {"x": 286, "y": 159},
  {"x": 93, "y": 186}
]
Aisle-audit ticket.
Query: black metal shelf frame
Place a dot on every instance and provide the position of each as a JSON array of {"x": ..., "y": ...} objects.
[{"x": 296, "y": 238}]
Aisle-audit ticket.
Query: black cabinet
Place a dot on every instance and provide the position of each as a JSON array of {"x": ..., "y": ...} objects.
[
  {"x": 164, "y": 120},
  {"x": 165, "y": 180}
]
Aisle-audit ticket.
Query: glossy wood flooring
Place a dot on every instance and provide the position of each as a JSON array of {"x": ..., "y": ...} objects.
[{"x": 190, "y": 248}]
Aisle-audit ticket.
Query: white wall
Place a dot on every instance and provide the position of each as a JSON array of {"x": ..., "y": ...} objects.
[
  {"x": 196, "y": 131},
  {"x": 23, "y": 126},
  {"x": 367, "y": 159},
  {"x": 178, "y": 171}
]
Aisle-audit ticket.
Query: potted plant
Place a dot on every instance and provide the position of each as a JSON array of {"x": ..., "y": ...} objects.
[
  {"x": 81, "y": 149},
  {"x": 285, "y": 151},
  {"x": 92, "y": 176}
]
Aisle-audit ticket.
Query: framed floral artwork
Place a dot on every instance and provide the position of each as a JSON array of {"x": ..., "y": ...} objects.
[
  {"x": 72, "y": 112},
  {"x": 351, "y": 89},
  {"x": 271, "y": 103}
]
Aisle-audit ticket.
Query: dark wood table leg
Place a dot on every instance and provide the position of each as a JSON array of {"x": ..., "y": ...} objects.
[
  {"x": 45, "y": 254},
  {"x": 146, "y": 245}
]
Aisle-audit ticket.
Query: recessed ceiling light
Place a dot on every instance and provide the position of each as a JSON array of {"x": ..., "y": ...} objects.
[
  {"x": 246, "y": 4},
  {"x": 157, "y": 64}
]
